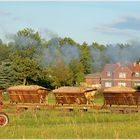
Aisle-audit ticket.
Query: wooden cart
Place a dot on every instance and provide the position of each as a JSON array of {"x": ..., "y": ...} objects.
[
  {"x": 121, "y": 98},
  {"x": 28, "y": 96},
  {"x": 73, "y": 97}
]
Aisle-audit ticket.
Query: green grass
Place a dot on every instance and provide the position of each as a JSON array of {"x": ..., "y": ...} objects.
[{"x": 77, "y": 124}]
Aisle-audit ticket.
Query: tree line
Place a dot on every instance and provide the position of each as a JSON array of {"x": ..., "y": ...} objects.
[{"x": 30, "y": 59}]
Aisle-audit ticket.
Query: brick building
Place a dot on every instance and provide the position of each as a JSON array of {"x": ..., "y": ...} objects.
[
  {"x": 117, "y": 74},
  {"x": 94, "y": 78}
]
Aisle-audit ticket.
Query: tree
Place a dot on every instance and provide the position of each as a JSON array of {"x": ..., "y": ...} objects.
[
  {"x": 98, "y": 46},
  {"x": 59, "y": 74},
  {"x": 85, "y": 58},
  {"x": 4, "y": 52},
  {"x": 30, "y": 34},
  {"x": 99, "y": 57},
  {"x": 25, "y": 68},
  {"x": 7, "y": 75},
  {"x": 30, "y": 41},
  {"x": 76, "y": 72},
  {"x": 25, "y": 58},
  {"x": 68, "y": 40}
]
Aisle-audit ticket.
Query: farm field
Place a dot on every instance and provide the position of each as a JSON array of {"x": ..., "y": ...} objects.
[{"x": 76, "y": 124}]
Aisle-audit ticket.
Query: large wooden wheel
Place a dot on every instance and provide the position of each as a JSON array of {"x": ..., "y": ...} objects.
[{"x": 4, "y": 119}]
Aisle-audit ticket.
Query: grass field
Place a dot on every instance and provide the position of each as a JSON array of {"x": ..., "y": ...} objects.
[{"x": 77, "y": 124}]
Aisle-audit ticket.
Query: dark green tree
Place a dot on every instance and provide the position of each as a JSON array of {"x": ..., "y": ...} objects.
[
  {"x": 85, "y": 58},
  {"x": 76, "y": 72},
  {"x": 59, "y": 74},
  {"x": 68, "y": 40},
  {"x": 25, "y": 68},
  {"x": 98, "y": 46},
  {"x": 4, "y": 52},
  {"x": 7, "y": 75},
  {"x": 25, "y": 58}
]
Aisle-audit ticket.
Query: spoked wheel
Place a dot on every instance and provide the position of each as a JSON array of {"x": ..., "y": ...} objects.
[{"x": 3, "y": 119}]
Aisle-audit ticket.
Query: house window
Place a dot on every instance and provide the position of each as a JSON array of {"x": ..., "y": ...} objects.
[
  {"x": 122, "y": 84},
  {"x": 122, "y": 75},
  {"x": 108, "y": 73},
  {"x": 108, "y": 84},
  {"x": 136, "y": 74},
  {"x": 136, "y": 84}
]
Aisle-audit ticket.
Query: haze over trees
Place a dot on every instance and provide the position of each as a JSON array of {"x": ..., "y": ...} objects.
[{"x": 30, "y": 59}]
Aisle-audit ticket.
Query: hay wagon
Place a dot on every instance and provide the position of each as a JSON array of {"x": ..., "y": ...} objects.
[
  {"x": 23, "y": 97},
  {"x": 121, "y": 98},
  {"x": 32, "y": 96},
  {"x": 36, "y": 97},
  {"x": 74, "y": 97}
]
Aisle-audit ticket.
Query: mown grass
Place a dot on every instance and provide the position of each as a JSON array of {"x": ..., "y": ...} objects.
[{"x": 77, "y": 124}]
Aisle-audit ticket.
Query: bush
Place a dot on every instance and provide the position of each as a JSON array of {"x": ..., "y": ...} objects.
[{"x": 137, "y": 87}]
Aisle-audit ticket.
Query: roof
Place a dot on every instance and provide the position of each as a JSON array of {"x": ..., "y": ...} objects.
[
  {"x": 72, "y": 90},
  {"x": 24, "y": 87},
  {"x": 135, "y": 67},
  {"x": 93, "y": 75},
  {"x": 110, "y": 67},
  {"x": 119, "y": 89},
  {"x": 124, "y": 68}
]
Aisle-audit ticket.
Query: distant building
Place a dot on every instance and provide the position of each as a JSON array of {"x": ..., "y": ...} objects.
[
  {"x": 107, "y": 75},
  {"x": 117, "y": 74},
  {"x": 94, "y": 78},
  {"x": 135, "y": 74}
]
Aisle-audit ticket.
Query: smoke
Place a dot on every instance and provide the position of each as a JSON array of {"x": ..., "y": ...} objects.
[
  {"x": 22, "y": 41},
  {"x": 51, "y": 53},
  {"x": 69, "y": 52},
  {"x": 55, "y": 51},
  {"x": 99, "y": 59},
  {"x": 27, "y": 43},
  {"x": 124, "y": 53},
  {"x": 96, "y": 58},
  {"x": 48, "y": 34},
  {"x": 114, "y": 53}
]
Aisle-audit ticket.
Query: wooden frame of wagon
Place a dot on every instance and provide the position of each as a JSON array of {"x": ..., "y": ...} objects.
[
  {"x": 24, "y": 97},
  {"x": 121, "y": 98},
  {"x": 27, "y": 96}
]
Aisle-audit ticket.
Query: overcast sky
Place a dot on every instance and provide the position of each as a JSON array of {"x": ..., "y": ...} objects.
[{"x": 102, "y": 22}]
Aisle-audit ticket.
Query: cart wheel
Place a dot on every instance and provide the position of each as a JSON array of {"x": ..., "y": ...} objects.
[{"x": 4, "y": 119}]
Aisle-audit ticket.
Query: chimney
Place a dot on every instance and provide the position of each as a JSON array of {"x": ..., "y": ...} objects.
[
  {"x": 134, "y": 64},
  {"x": 119, "y": 64}
]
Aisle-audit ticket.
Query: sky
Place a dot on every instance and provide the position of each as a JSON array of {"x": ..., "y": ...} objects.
[{"x": 105, "y": 22}]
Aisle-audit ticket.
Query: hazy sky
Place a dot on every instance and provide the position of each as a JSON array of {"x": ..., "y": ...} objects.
[{"x": 103, "y": 22}]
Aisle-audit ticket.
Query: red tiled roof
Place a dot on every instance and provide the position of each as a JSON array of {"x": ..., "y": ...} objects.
[
  {"x": 93, "y": 75},
  {"x": 135, "y": 67},
  {"x": 124, "y": 67},
  {"x": 110, "y": 67}
]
